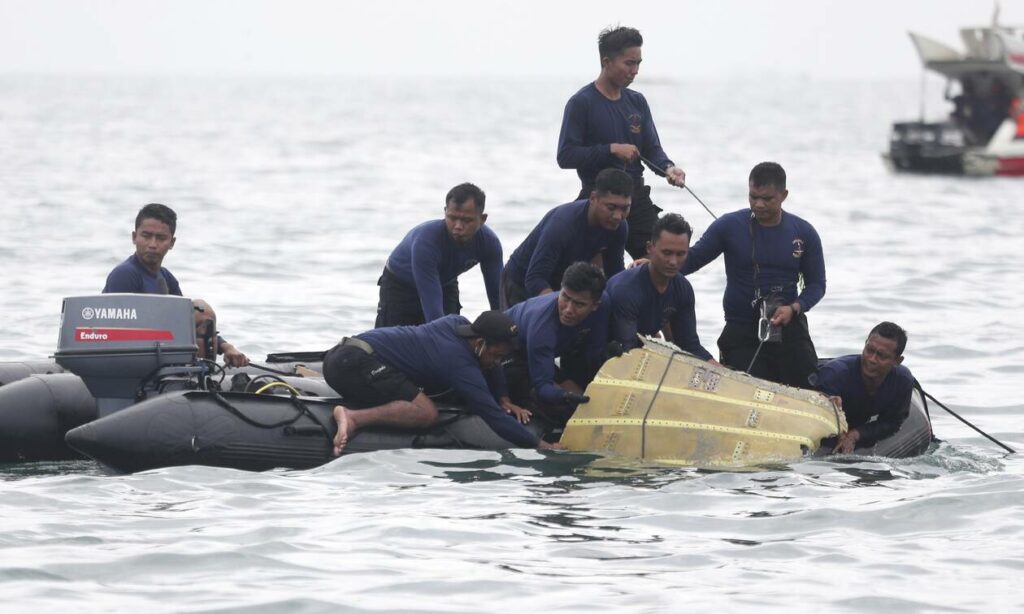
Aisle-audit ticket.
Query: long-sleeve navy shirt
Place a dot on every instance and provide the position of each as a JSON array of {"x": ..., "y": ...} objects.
[
  {"x": 891, "y": 403},
  {"x": 427, "y": 258},
  {"x": 638, "y": 307},
  {"x": 591, "y": 123},
  {"x": 783, "y": 253},
  {"x": 436, "y": 359},
  {"x": 563, "y": 237},
  {"x": 543, "y": 338},
  {"x": 130, "y": 277}
]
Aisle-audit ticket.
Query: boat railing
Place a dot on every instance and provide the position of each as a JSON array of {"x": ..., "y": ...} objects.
[{"x": 983, "y": 44}]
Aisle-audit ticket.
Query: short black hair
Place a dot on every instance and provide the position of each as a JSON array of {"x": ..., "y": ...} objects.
[
  {"x": 160, "y": 213},
  {"x": 614, "y": 181},
  {"x": 463, "y": 192},
  {"x": 889, "y": 330},
  {"x": 768, "y": 173},
  {"x": 672, "y": 223},
  {"x": 612, "y": 42},
  {"x": 585, "y": 277}
]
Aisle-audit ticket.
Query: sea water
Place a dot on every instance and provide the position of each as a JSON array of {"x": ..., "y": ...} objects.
[{"x": 291, "y": 193}]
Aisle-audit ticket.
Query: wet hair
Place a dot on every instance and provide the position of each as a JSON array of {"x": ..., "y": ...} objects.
[
  {"x": 585, "y": 277},
  {"x": 160, "y": 213},
  {"x": 768, "y": 173},
  {"x": 612, "y": 42},
  {"x": 888, "y": 330},
  {"x": 672, "y": 223},
  {"x": 613, "y": 181},
  {"x": 463, "y": 192}
]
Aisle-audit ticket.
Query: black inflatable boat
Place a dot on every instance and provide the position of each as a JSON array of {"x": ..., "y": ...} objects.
[{"x": 140, "y": 401}]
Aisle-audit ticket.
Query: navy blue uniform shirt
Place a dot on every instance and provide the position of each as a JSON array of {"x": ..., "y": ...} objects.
[
  {"x": 428, "y": 258},
  {"x": 591, "y": 123},
  {"x": 638, "y": 307},
  {"x": 563, "y": 237},
  {"x": 436, "y": 359},
  {"x": 783, "y": 252},
  {"x": 131, "y": 277},
  {"x": 891, "y": 403},
  {"x": 543, "y": 338}
]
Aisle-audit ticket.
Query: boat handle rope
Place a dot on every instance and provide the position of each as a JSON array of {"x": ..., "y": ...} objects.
[
  {"x": 654, "y": 397},
  {"x": 301, "y": 410}
]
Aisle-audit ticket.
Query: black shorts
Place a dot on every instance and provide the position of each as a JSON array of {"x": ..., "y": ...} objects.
[
  {"x": 363, "y": 380},
  {"x": 643, "y": 213},
  {"x": 399, "y": 303},
  {"x": 512, "y": 292},
  {"x": 789, "y": 362}
]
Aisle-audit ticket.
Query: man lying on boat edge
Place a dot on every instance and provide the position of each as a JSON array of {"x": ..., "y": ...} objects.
[{"x": 385, "y": 375}]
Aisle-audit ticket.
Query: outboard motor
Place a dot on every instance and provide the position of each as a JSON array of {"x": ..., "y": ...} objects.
[{"x": 124, "y": 345}]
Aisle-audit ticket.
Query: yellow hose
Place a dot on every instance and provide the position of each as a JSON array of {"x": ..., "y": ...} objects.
[{"x": 272, "y": 384}]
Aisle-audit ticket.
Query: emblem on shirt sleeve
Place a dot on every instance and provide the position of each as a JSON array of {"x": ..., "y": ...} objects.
[{"x": 798, "y": 248}]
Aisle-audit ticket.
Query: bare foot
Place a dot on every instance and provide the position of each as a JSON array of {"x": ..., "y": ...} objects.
[
  {"x": 345, "y": 426},
  {"x": 304, "y": 371}
]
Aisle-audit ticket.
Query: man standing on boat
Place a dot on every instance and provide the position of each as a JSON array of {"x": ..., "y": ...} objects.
[
  {"x": 143, "y": 271},
  {"x": 608, "y": 125},
  {"x": 572, "y": 325},
  {"x": 767, "y": 252},
  {"x": 874, "y": 384},
  {"x": 655, "y": 297},
  {"x": 420, "y": 280},
  {"x": 383, "y": 374},
  {"x": 592, "y": 229}
]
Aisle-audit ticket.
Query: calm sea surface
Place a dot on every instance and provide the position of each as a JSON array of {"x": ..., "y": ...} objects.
[{"x": 291, "y": 193}]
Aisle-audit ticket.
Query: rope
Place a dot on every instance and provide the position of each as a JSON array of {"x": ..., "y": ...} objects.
[
  {"x": 254, "y": 382},
  {"x": 965, "y": 421},
  {"x": 291, "y": 388},
  {"x": 301, "y": 410},
  {"x": 654, "y": 397},
  {"x": 661, "y": 171},
  {"x": 754, "y": 359}
]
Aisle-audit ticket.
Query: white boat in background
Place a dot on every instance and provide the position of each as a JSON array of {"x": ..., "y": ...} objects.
[{"x": 984, "y": 133}]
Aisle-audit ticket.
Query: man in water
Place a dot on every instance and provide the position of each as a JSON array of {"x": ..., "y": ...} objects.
[
  {"x": 420, "y": 280},
  {"x": 143, "y": 271},
  {"x": 571, "y": 325},
  {"x": 382, "y": 375},
  {"x": 873, "y": 388},
  {"x": 767, "y": 251},
  {"x": 592, "y": 229},
  {"x": 655, "y": 297},
  {"x": 608, "y": 125}
]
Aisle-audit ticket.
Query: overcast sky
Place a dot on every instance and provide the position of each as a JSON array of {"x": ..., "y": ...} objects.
[{"x": 683, "y": 39}]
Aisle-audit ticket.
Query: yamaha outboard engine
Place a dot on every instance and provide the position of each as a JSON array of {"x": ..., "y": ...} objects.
[{"x": 123, "y": 345}]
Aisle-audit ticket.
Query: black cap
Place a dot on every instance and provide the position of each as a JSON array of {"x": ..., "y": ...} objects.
[{"x": 491, "y": 326}]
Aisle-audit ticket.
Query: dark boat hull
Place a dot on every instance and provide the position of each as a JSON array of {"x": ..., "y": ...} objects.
[
  {"x": 36, "y": 411},
  {"x": 11, "y": 372},
  {"x": 252, "y": 432}
]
